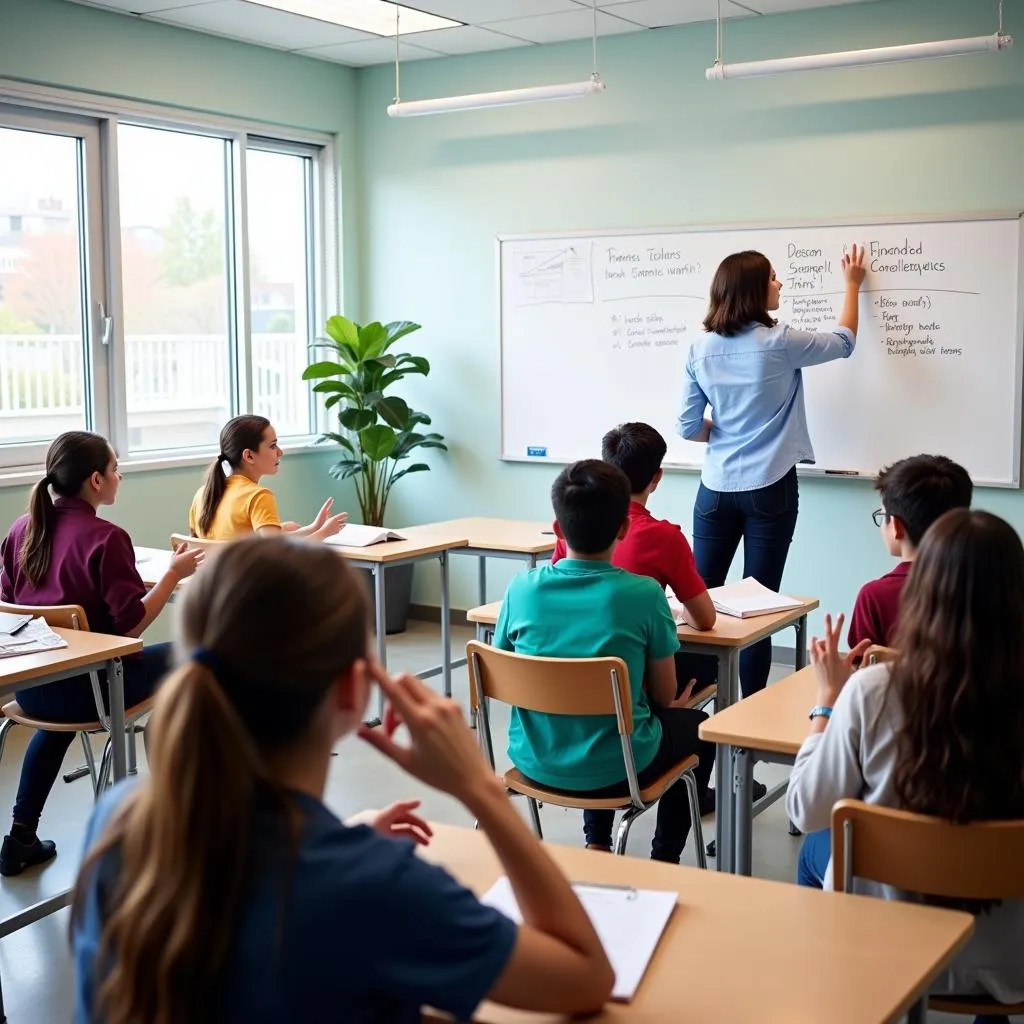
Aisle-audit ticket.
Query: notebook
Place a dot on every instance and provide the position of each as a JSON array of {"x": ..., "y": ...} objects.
[
  {"x": 32, "y": 639},
  {"x": 629, "y": 922},
  {"x": 353, "y": 535},
  {"x": 748, "y": 598},
  {"x": 10, "y": 623}
]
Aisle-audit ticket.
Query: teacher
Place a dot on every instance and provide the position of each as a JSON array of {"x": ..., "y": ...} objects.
[{"x": 749, "y": 369}]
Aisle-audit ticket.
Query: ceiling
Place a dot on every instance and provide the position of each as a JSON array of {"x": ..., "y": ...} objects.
[{"x": 488, "y": 24}]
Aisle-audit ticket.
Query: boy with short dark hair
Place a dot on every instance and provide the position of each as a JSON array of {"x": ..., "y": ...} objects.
[
  {"x": 585, "y": 607},
  {"x": 914, "y": 492}
]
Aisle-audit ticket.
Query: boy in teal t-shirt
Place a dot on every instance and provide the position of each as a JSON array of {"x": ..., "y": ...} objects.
[{"x": 585, "y": 607}]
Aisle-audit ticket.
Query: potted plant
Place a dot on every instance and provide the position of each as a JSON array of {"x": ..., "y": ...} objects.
[{"x": 378, "y": 431}]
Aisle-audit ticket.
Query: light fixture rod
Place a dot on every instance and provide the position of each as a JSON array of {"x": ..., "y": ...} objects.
[
  {"x": 860, "y": 58},
  {"x": 503, "y": 98}
]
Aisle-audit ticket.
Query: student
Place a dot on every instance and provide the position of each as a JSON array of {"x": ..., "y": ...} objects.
[
  {"x": 938, "y": 731},
  {"x": 221, "y": 888},
  {"x": 230, "y": 506},
  {"x": 914, "y": 493},
  {"x": 749, "y": 369},
  {"x": 585, "y": 607},
  {"x": 62, "y": 552}
]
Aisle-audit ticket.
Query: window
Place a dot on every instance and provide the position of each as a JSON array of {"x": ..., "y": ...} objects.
[{"x": 154, "y": 310}]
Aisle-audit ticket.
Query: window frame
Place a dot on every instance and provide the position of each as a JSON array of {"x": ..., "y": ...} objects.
[{"x": 38, "y": 105}]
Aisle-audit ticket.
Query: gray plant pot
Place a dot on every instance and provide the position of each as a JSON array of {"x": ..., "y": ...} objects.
[{"x": 397, "y": 596}]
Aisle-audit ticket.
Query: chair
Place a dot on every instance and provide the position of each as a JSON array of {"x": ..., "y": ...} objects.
[
  {"x": 196, "y": 542},
  {"x": 572, "y": 686},
  {"x": 72, "y": 616},
  {"x": 921, "y": 854}
]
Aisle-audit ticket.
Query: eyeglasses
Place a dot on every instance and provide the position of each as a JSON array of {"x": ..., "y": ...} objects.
[{"x": 880, "y": 516}]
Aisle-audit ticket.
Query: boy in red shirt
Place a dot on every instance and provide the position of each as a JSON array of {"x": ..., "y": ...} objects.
[{"x": 914, "y": 493}]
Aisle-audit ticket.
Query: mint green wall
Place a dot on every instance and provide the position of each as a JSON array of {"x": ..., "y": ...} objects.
[{"x": 664, "y": 147}]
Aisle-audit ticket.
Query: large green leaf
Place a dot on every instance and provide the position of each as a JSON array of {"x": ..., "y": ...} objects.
[
  {"x": 416, "y": 467},
  {"x": 335, "y": 387},
  {"x": 332, "y": 401},
  {"x": 413, "y": 364},
  {"x": 393, "y": 411},
  {"x": 373, "y": 339},
  {"x": 356, "y": 419},
  {"x": 345, "y": 468},
  {"x": 399, "y": 329},
  {"x": 343, "y": 331},
  {"x": 385, "y": 362},
  {"x": 377, "y": 442},
  {"x": 338, "y": 439},
  {"x": 323, "y": 369}
]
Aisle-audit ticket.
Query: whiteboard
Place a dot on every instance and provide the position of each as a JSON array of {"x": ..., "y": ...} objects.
[{"x": 596, "y": 328}]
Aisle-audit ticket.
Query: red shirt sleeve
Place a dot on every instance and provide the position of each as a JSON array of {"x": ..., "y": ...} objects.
[
  {"x": 864, "y": 620},
  {"x": 684, "y": 579},
  {"x": 121, "y": 586},
  {"x": 559, "y": 551}
]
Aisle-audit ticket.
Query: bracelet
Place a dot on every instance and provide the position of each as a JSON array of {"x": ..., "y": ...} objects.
[{"x": 820, "y": 711}]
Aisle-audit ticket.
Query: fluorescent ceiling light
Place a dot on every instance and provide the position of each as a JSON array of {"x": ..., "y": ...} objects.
[
  {"x": 859, "y": 58},
  {"x": 504, "y": 98},
  {"x": 375, "y": 16}
]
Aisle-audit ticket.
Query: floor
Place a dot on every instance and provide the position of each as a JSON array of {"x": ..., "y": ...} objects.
[{"x": 35, "y": 965}]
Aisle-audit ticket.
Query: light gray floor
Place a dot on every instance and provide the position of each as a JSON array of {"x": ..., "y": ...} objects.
[{"x": 35, "y": 965}]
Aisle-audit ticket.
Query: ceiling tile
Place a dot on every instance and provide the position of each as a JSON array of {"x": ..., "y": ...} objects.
[
  {"x": 146, "y": 6},
  {"x": 658, "y": 13},
  {"x": 467, "y": 39},
  {"x": 370, "y": 51},
  {"x": 779, "y": 6},
  {"x": 551, "y": 28},
  {"x": 257, "y": 24},
  {"x": 480, "y": 12}
]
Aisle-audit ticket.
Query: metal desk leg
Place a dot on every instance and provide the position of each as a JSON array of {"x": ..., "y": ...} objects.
[
  {"x": 743, "y": 810},
  {"x": 531, "y": 562},
  {"x": 115, "y": 684},
  {"x": 918, "y": 1013},
  {"x": 482, "y": 577},
  {"x": 728, "y": 693},
  {"x": 800, "y": 661},
  {"x": 446, "y": 627},
  {"x": 380, "y": 624}
]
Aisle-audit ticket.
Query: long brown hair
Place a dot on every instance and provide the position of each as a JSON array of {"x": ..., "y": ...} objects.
[
  {"x": 241, "y": 692},
  {"x": 959, "y": 677},
  {"x": 70, "y": 461},
  {"x": 739, "y": 294},
  {"x": 236, "y": 437}
]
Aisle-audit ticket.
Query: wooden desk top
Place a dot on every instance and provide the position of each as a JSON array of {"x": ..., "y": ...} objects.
[
  {"x": 84, "y": 650},
  {"x": 420, "y": 541},
  {"x": 746, "y": 949},
  {"x": 774, "y": 720},
  {"x": 514, "y": 535},
  {"x": 728, "y": 631}
]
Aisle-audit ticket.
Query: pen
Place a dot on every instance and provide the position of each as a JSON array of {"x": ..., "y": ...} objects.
[{"x": 841, "y": 472}]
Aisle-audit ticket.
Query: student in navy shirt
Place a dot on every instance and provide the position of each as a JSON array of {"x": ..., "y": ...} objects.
[
  {"x": 62, "y": 552},
  {"x": 222, "y": 889}
]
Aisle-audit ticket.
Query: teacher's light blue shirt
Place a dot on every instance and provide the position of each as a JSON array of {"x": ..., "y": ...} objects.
[{"x": 754, "y": 385}]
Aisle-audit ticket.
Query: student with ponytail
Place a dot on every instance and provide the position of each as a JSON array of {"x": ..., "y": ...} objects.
[
  {"x": 230, "y": 505},
  {"x": 62, "y": 552},
  {"x": 221, "y": 889}
]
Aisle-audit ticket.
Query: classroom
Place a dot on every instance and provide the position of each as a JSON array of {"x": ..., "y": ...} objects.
[{"x": 190, "y": 189}]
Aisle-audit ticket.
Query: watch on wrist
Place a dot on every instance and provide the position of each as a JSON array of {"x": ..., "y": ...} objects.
[{"x": 820, "y": 711}]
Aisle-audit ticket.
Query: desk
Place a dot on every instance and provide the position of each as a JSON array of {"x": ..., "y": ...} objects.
[
  {"x": 725, "y": 641},
  {"x": 422, "y": 543},
  {"x": 501, "y": 538},
  {"x": 768, "y": 726},
  {"x": 85, "y": 652},
  {"x": 745, "y": 949}
]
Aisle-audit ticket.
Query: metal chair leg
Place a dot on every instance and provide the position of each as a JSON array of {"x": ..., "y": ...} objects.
[
  {"x": 5, "y": 728},
  {"x": 535, "y": 817},
  {"x": 695, "y": 823},
  {"x": 105, "y": 762},
  {"x": 622, "y": 835},
  {"x": 90, "y": 759},
  {"x": 133, "y": 768}
]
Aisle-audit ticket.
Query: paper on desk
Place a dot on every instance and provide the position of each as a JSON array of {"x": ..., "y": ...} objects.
[
  {"x": 748, "y": 598},
  {"x": 629, "y": 923},
  {"x": 35, "y": 637}
]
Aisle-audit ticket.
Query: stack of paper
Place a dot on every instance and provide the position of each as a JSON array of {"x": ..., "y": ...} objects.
[
  {"x": 629, "y": 922},
  {"x": 748, "y": 598},
  {"x": 353, "y": 535},
  {"x": 31, "y": 639}
]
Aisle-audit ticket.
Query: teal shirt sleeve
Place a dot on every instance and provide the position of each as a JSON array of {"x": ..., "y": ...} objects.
[
  {"x": 501, "y": 638},
  {"x": 663, "y": 635}
]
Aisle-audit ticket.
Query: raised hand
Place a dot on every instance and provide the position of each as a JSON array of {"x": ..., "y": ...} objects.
[
  {"x": 852, "y": 265},
  {"x": 831, "y": 668}
]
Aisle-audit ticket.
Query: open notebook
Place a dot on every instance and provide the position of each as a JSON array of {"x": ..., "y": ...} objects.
[
  {"x": 31, "y": 639},
  {"x": 629, "y": 922},
  {"x": 747, "y": 598},
  {"x": 353, "y": 535}
]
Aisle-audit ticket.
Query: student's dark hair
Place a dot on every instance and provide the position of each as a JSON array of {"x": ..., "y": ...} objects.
[
  {"x": 180, "y": 838},
  {"x": 237, "y": 436},
  {"x": 920, "y": 489},
  {"x": 70, "y": 461},
  {"x": 637, "y": 449},
  {"x": 959, "y": 676},
  {"x": 591, "y": 502},
  {"x": 739, "y": 294}
]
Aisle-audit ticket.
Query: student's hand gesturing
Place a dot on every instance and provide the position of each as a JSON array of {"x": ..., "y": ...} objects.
[
  {"x": 831, "y": 668},
  {"x": 399, "y": 822}
]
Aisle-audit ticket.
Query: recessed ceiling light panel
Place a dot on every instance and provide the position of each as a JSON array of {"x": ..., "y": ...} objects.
[{"x": 374, "y": 16}]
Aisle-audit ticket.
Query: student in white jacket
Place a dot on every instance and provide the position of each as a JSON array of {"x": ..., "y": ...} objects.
[{"x": 939, "y": 731}]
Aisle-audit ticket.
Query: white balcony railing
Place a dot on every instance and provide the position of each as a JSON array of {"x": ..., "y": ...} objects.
[{"x": 166, "y": 376}]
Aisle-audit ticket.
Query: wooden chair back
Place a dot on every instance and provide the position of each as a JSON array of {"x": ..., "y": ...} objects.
[
  {"x": 555, "y": 686},
  {"x": 876, "y": 654},
  {"x": 922, "y": 854},
  {"x": 196, "y": 542},
  {"x": 63, "y": 616}
]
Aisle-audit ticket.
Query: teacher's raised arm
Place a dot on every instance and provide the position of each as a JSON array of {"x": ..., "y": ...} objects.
[{"x": 748, "y": 368}]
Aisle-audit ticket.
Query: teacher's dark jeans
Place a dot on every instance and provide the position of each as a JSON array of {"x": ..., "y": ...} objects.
[
  {"x": 71, "y": 700},
  {"x": 764, "y": 519}
]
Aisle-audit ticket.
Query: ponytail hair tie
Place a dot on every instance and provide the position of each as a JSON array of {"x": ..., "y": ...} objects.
[
  {"x": 47, "y": 480},
  {"x": 211, "y": 661}
]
